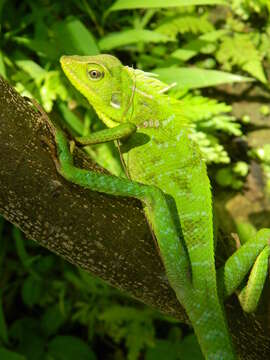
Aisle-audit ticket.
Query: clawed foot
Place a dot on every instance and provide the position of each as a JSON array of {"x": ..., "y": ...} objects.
[{"x": 61, "y": 149}]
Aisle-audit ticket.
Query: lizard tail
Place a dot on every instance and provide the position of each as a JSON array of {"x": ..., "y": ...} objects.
[{"x": 208, "y": 320}]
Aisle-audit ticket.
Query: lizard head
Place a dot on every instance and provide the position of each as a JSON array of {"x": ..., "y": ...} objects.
[{"x": 99, "y": 78}]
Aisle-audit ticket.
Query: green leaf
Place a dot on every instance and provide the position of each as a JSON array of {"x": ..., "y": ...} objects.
[
  {"x": 52, "y": 320},
  {"x": 2, "y": 3},
  {"x": 70, "y": 348},
  {"x": 224, "y": 176},
  {"x": 29, "y": 339},
  {"x": 163, "y": 349},
  {"x": 224, "y": 123},
  {"x": 133, "y": 325},
  {"x": 106, "y": 155},
  {"x": 184, "y": 23},
  {"x": 3, "y": 326},
  {"x": 2, "y": 65},
  {"x": 199, "y": 45},
  {"x": 41, "y": 47},
  {"x": 190, "y": 349},
  {"x": 69, "y": 36},
  {"x": 211, "y": 149},
  {"x": 213, "y": 35},
  {"x": 45, "y": 264},
  {"x": 193, "y": 78},
  {"x": 133, "y": 36},
  {"x": 143, "y": 4},
  {"x": 239, "y": 50},
  {"x": 32, "y": 290},
  {"x": 187, "y": 349},
  {"x": 71, "y": 119},
  {"x": 10, "y": 355},
  {"x": 183, "y": 54},
  {"x": 199, "y": 108},
  {"x": 20, "y": 248},
  {"x": 2, "y": 222},
  {"x": 72, "y": 37},
  {"x": 3, "y": 243},
  {"x": 52, "y": 88},
  {"x": 32, "y": 68}
]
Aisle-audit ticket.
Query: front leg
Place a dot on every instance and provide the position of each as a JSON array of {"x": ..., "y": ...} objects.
[
  {"x": 153, "y": 199},
  {"x": 116, "y": 133}
]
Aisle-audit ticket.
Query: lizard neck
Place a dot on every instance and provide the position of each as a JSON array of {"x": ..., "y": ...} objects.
[
  {"x": 150, "y": 110},
  {"x": 106, "y": 119}
]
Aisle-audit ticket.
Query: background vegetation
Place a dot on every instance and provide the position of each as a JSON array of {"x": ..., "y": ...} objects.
[{"x": 48, "y": 309}]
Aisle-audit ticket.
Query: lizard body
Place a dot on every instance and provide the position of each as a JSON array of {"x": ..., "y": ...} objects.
[{"x": 167, "y": 173}]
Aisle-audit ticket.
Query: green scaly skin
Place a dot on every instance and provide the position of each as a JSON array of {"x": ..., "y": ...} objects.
[{"x": 166, "y": 172}]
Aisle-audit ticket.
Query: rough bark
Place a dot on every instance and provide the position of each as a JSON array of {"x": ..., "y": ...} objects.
[{"x": 108, "y": 236}]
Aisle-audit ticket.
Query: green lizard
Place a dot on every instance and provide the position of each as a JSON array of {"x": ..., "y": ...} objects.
[{"x": 165, "y": 170}]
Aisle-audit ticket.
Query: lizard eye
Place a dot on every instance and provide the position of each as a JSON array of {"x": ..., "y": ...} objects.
[{"x": 95, "y": 74}]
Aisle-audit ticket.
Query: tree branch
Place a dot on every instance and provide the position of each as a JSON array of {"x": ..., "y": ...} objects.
[{"x": 106, "y": 235}]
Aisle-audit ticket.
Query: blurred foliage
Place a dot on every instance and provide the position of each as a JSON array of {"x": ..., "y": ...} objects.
[
  {"x": 48, "y": 309},
  {"x": 51, "y": 310}
]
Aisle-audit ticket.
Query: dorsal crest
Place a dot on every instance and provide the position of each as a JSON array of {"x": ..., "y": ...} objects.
[{"x": 148, "y": 80}]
